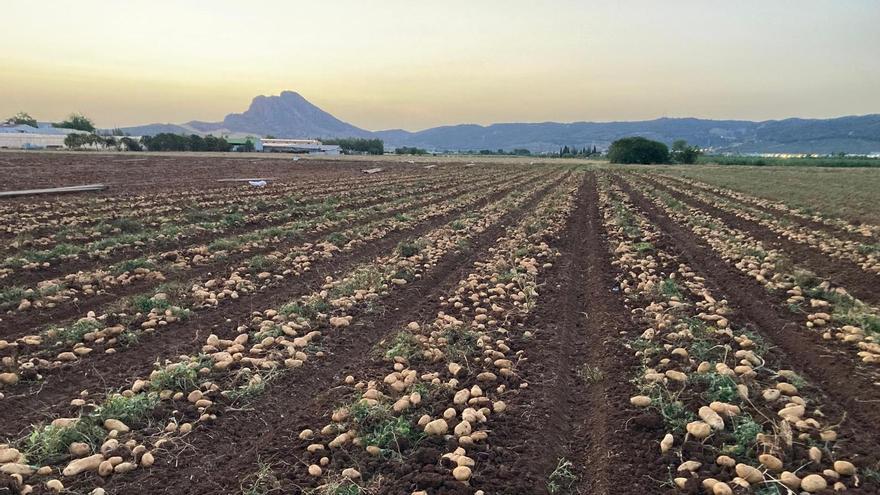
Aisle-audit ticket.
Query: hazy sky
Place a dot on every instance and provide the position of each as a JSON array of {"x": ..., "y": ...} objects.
[{"x": 415, "y": 64}]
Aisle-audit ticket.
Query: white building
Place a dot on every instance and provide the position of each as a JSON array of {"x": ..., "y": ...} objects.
[
  {"x": 310, "y": 146},
  {"x": 24, "y": 137}
]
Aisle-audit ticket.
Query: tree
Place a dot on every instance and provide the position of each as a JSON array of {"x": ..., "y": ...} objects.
[
  {"x": 22, "y": 118},
  {"x": 130, "y": 144},
  {"x": 682, "y": 153},
  {"x": 638, "y": 150},
  {"x": 74, "y": 141},
  {"x": 76, "y": 121},
  {"x": 358, "y": 145},
  {"x": 407, "y": 150}
]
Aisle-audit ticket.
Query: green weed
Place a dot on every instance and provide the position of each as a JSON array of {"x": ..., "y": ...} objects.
[
  {"x": 562, "y": 479},
  {"x": 377, "y": 426},
  {"x": 134, "y": 411},
  {"x": 49, "y": 444}
]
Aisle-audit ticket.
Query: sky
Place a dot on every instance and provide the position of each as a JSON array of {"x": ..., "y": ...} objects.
[{"x": 415, "y": 64}]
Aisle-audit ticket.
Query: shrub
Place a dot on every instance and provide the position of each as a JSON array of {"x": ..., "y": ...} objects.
[{"x": 638, "y": 150}]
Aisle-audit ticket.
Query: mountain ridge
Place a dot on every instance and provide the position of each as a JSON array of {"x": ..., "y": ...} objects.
[{"x": 289, "y": 114}]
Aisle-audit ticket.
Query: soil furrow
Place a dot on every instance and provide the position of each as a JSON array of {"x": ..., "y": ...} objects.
[
  {"x": 577, "y": 374},
  {"x": 60, "y": 269},
  {"x": 842, "y": 273},
  {"x": 47, "y": 398},
  {"x": 835, "y": 371},
  {"x": 806, "y": 222},
  {"x": 25, "y": 322},
  {"x": 263, "y": 432}
]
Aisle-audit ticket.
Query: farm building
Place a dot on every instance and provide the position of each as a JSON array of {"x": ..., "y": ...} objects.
[
  {"x": 240, "y": 143},
  {"x": 310, "y": 146},
  {"x": 27, "y": 137}
]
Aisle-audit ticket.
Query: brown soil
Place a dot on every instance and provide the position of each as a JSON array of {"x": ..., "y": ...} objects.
[
  {"x": 812, "y": 224},
  {"x": 268, "y": 431},
  {"x": 17, "y": 324},
  {"x": 49, "y": 397},
  {"x": 848, "y": 386},
  {"x": 562, "y": 414},
  {"x": 85, "y": 262},
  {"x": 842, "y": 273}
]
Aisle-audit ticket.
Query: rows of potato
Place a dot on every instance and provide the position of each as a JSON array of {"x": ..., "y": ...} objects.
[
  {"x": 445, "y": 379},
  {"x": 733, "y": 423},
  {"x": 859, "y": 252},
  {"x": 826, "y": 307},
  {"x": 30, "y": 355},
  {"x": 191, "y": 390}
]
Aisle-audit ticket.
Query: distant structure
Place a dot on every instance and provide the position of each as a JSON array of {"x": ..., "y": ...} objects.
[
  {"x": 310, "y": 146},
  {"x": 240, "y": 143},
  {"x": 25, "y": 137}
]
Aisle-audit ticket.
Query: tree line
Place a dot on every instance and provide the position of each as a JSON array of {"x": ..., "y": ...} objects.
[
  {"x": 646, "y": 151},
  {"x": 351, "y": 146}
]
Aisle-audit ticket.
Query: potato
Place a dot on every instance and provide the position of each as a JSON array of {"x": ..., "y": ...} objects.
[
  {"x": 699, "y": 429},
  {"x": 749, "y": 473},
  {"x": 770, "y": 461},
  {"x": 89, "y": 463},
  {"x": 462, "y": 473},
  {"x": 813, "y": 483},
  {"x": 844, "y": 468},
  {"x": 711, "y": 418},
  {"x": 436, "y": 427},
  {"x": 666, "y": 443}
]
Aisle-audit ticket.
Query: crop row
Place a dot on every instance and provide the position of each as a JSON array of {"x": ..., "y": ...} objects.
[
  {"x": 64, "y": 211},
  {"x": 323, "y": 217},
  {"x": 195, "y": 224},
  {"x": 272, "y": 203},
  {"x": 437, "y": 384},
  {"x": 732, "y": 421},
  {"x": 862, "y": 229},
  {"x": 168, "y": 305},
  {"x": 866, "y": 256},
  {"x": 824, "y": 306},
  {"x": 120, "y": 429}
]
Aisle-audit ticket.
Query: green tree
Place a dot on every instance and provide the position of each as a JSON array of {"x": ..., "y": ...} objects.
[
  {"x": 74, "y": 141},
  {"x": 406, "y": 150},
  {"x": 77, "y": 121},
  {"x": 682, "y": 153},
  {"x": 357, "y": 145},
  {"x": 22, "y": 118},
  {"x": 130, "y": 144},
  {"x": 638, "y": 150}
]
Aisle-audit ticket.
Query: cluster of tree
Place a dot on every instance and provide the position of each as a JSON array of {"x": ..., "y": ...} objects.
[
  {"x": 645, "y": 151},
  {"x": 22, "y": 118},
  {"x": 515, "y": 152},
  {"x": 177, "y": 142},
  {"x": 358, "y": 145},
  {"x": 406, "y": 150},
  {"x": 76, "y": 121},
  {"x": 683, "y": 153},
  {"x": 574, "y": 152},
  {"x": 77, "y": 141}
]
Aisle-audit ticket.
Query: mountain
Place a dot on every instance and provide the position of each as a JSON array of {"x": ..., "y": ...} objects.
[
  {"x": 285, "y": 115},
  {"x": 291, "y": 115}
]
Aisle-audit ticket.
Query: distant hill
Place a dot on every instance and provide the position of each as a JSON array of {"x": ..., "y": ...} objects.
[{"x": 291, "y": 115}]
